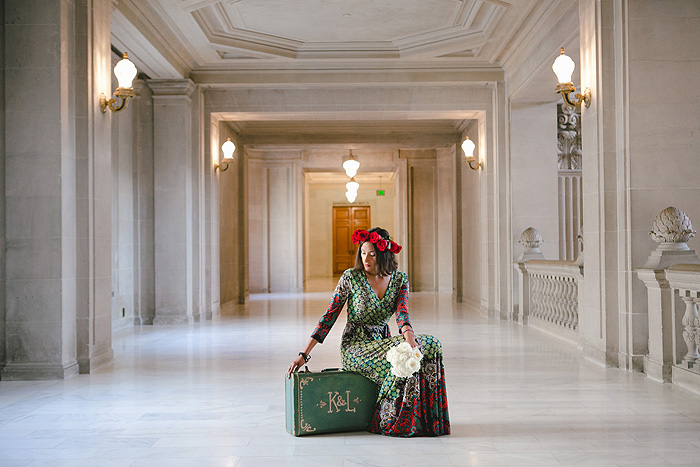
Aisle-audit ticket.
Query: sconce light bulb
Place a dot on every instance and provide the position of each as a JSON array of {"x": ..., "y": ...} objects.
[
  {"x": 468, "y": 147},
  {"x": 125, "y": 71},
  {"x": 228, "y": 149},
  {"x": 563, "y": 67}
]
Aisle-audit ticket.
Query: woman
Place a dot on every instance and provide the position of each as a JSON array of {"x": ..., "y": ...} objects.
[{"x": 375, "y": 290}]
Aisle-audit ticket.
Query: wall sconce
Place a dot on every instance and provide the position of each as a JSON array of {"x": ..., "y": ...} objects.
[
  {"x": 228, "y": 148},
  {"x": 125, "y": 71},
  {"x": 351, "y": 165},
  {"x": 468, "y": 147},
  {"x": 563, "y": 67}
]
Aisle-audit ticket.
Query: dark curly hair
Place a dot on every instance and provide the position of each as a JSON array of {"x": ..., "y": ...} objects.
[{"x": 386, "y": 260}]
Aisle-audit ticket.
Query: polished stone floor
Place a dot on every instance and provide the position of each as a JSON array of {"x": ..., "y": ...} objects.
[{"x": 212, "y": 394}]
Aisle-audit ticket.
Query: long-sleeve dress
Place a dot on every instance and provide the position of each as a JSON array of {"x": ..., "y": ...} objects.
[{"x": 413, "y": 406}]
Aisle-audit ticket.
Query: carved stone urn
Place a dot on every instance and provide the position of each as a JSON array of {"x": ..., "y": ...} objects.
[
  {"x": 672, "y": 229},
  {"x": 531, "y": 240}
]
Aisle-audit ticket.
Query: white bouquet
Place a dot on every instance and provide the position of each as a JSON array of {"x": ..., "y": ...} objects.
[{"x": 404, "y": 359}]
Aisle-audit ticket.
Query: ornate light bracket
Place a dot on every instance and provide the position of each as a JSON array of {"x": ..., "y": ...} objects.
[
  {"x": 123, "y": 93},
  {"x": 563, "y": 67},
  {"x": 125, "y": 71},
  {"x": 567, "y": 88}
]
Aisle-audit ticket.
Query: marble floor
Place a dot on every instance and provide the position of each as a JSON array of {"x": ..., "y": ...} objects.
[{"x": 212, "y": 394}]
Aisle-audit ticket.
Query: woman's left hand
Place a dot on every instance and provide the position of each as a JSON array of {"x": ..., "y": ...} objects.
[{"x": 410, "y": 338}]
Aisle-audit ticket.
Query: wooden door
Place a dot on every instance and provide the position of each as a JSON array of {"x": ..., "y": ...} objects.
[{"x": 345, "y": 220}]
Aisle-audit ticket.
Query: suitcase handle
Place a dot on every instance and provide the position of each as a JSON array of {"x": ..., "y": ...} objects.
[{"x": 306, "y": 369}]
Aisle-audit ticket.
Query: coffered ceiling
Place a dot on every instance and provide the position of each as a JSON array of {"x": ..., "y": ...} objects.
[
  {"x": 200, "y": 34},
  {"x": 277, "y": 43}
]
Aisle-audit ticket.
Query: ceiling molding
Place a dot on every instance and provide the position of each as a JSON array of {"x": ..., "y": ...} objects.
[
  {"x": 127, "y": 38},
  {"x": 153, "y": 28},
  {"x": 425, "y": 77}
]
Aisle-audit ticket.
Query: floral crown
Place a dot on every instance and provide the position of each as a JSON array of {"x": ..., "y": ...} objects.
[{"x": 382, "y": 244}]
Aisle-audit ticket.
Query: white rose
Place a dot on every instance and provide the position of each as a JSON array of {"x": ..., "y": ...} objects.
[
  {"x": 404, "y": 347},
  {"x": 412, "y": 365},
  {"x": 415, "y": 353}
]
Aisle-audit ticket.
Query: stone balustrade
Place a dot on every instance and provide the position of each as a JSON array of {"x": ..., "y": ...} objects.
[
  {"x": 554, "y": 292},
  {"x": 684, "y": 281},
  {"x": 548, "y": 290},
  {"x": 672, "y": 277}
]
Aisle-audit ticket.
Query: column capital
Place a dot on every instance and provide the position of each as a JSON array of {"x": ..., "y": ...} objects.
[{"x": 172, "y": 87}]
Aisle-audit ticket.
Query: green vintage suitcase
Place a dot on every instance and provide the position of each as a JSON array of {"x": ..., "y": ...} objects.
[{"x": 329, "y": 401}]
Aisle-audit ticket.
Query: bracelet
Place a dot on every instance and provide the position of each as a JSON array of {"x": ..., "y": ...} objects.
[
  {"x": 407, "y": 330},
  {"x": 307, "y": 357}
]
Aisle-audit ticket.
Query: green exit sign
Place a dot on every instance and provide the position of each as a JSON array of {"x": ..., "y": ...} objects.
[{"x": 380, "y": 192}]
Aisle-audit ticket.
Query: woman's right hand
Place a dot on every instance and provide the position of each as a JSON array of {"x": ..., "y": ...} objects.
[{"x": 295, "y": 365}]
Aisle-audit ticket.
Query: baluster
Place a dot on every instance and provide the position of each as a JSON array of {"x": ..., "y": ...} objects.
[
  {"x": 572, "y": 303},
  {"x": 566, "y": 302},
  {"x": 533, "y": 294},
  {"x": 574, "y": 308},
  {"x": 543, "y": 302},
  {"x": 689, "y": 321},
  {"x": 545, "y": 296},
  {"x": 561, "y": 301},
  {"x": 553, "y": 299}
]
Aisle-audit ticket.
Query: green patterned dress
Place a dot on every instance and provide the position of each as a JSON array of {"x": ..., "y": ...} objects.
[{"x": 413, "y": 406}]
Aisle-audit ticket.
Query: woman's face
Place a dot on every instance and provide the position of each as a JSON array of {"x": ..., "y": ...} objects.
[{"x": 369, "y": 258}]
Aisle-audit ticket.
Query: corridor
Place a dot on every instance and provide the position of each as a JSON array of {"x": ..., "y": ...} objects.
[{"x": 212, "y": 394}]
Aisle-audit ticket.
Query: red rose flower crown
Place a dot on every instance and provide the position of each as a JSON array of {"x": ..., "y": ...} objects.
[{"x": 382, "y": 244}]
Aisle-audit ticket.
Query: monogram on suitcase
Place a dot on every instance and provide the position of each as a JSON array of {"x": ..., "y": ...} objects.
[{"x": 329, "y": 401}]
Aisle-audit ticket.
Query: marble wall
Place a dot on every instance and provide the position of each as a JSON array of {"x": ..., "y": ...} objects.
[
  {"x": 663, "y": 160},
  {"x": 426, "y": 208},
  {"x": 133, "y": 270},
  {"x": 639, "y": 156},
  {"x": 534, "y": 177},
  {"x": 232, "y": 222},
  {"x": 470, "y": 206},
  {"x": 318, "y": 205},
  {"x": 123, "y": 214},
  {"x": 275, "y": 249}
]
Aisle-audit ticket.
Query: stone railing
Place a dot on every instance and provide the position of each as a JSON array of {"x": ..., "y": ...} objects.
[
  {"x": 548, "y": 290},
  {"x": 672, "y": 277},
  {"x": 554, "y": 292},
  {"x": 684, "y": 281}
]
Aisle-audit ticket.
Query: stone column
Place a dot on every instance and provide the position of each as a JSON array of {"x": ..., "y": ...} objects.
[
  {"x": 57, "y": 63},
  {"x": 93, "y": 184},
  {"x": 144, "y": 256},
  {"x": 172, "y": 154},
  {"x": 2, "y": 187},
  {"x": 600, "y": 149}
]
